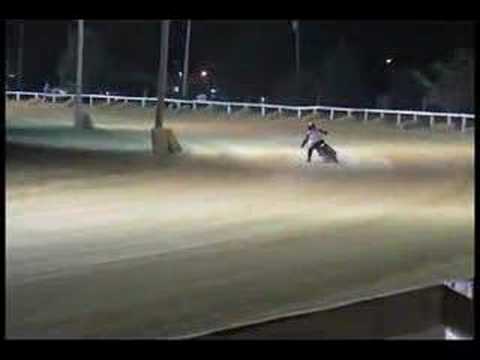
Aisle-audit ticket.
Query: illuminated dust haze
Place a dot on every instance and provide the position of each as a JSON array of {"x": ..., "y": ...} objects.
[{"x": 103, "y": 240}]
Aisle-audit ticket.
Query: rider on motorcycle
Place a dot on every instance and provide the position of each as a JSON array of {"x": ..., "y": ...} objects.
[{"x": 314, "y": 137}]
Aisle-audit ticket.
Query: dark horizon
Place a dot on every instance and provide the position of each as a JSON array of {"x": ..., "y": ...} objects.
[{"x": 247, "y": 57}]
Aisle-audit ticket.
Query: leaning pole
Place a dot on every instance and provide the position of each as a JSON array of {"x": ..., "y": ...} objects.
[
  {"x": 81, "y": 118},
  {"x": 20, "y": 56},
  {"x": 78, "y": 88},
  {"x": 186, "y": 60},
  {"x": 163, "y": 139}
]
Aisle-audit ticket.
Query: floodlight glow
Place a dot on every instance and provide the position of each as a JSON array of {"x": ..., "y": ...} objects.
[
  {"x": 176, "y": 89},
  {"x": 203, "y": 73},
  {"x": 389, "y": 61},
  {"x": 452, "y": 334},
  {"x": 180, "y": 74},
  {"x": 213, "y": 91}
]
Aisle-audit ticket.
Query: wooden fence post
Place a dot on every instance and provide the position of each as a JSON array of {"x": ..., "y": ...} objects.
[{"x": 464, "y": 124}]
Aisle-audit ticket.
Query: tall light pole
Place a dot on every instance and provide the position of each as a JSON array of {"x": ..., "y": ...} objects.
[
  {"x": 162, "y": 74},
  {"x": 296, "y": 31},
  {"x": 7, "y": 67},
  {"x": 163, "y": 140},
  {"x": 20, "y": 55},
  {"x": 78, "y": 92},
  {"x": 186, "y": 60}
]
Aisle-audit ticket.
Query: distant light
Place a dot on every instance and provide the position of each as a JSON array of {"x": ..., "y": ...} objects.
[
  {"x": 389, "y": 61},
  {"x": 180, "y": 74},
  {"x": 176, "y": 89},
  {"x": 107, "y": 93},
  {"x": 203, "y": 73},
  {"x": 213, "y": 91},
  {"x": 11, "y": 75},
  {"x": 262, "y": 99}
]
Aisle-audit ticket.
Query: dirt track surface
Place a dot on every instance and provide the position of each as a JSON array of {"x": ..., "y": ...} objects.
[{"x": 104, "y": 241}]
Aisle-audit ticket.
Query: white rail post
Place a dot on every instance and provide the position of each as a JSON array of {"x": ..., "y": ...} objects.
[
  {"x": 36, "y": 96},
  {"x": 280, "y": 110},
  {"x": 17, "y": 96},
  {"x": 299, "y": 113},
  {"x": 365, "y": 116},
  {"x": 415, "y": 118},
  {"x": 449, "y": 122},
  {"x": 125, "y": 100},
  {"x": 229, "y": 109},
  {"x": 90, "y": 101},
  {"x": 143, "y": 102},
  {"x": 315, "y": 111},
  {"x": 349, "y": 113},
  {"x": 432, "y": 121},
  {"x": 263, "y": 111},
  {"x": 332, "y": 114},
  {"x": 382, "y": 115},
  {"x": 54, "y": 99},
  {"x": 108, "y": 100},
  {"x": 464, "y": 124},
  {"x": 194, "y": 106},
  {"x": 399, "y": 119}
]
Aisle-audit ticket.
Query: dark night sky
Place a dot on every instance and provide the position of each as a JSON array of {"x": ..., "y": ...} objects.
[{"x": 251, "y": 54}]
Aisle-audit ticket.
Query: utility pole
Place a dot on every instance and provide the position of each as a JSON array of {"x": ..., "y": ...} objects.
[
  {"x": 162, "y": 74},
  {"x": 78, "y": 94},
  {"x": 9, "y": 51},
  {"x": 296, "y": 30},
  {"x": 163, "y": 139},
  {"x": 20, "y": 56},
  {"x": 7, "y": 64},
  {"x": 71, "y": 38},
  {"x": 186, "y": 60}
]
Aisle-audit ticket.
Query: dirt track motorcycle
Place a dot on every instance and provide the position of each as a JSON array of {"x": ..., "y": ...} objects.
[
  {"x": 324, "y": 150},
  {"x": 328, "y": 153}
]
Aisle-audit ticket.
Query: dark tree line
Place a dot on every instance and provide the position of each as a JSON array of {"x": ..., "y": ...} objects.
[
  {"x": 102, "y": 69},
  {"x": 339, "y": 76},
  {"x": 337, "y": 79},
  {"x": 450, "y": 86},
  {"x": 342, "y": 80}
]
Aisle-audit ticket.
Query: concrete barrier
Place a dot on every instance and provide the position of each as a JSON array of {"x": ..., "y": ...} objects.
[{"x": 420, "y": 314}]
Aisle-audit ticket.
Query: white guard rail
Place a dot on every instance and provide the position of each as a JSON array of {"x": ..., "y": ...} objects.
[{"x": 300, "y": 110}]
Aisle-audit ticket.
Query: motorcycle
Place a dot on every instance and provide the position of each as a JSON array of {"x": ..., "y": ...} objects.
[
  {"x": 328, "y": 153},
  {"x": 324, "y": 150}
]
